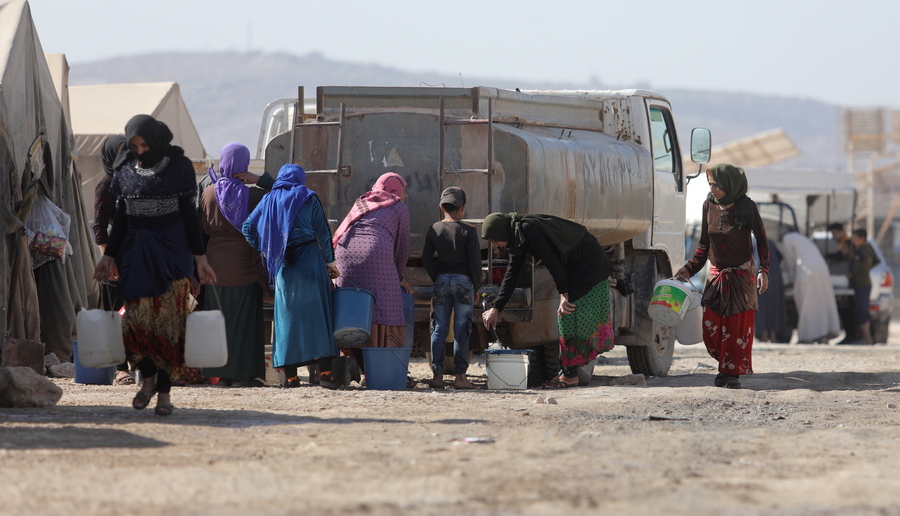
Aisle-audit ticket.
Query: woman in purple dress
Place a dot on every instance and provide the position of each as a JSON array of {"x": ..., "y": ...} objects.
[{"x": 371, "y": 248}]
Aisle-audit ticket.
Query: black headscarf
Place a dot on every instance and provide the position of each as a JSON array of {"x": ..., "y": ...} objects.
[
  {"x": 156, "y": 135},
  {"x": 507, "y": 227},
  {"x": 733, "y": 182},
  {"x": 109, "y": 151}
]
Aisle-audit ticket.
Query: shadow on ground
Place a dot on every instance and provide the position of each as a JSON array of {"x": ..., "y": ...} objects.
[{"x": 813, "y": 381}]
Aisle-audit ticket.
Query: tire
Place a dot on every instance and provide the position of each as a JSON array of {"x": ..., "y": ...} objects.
[
  {"x": 543, "y": 364},
  {"x": 650, "y": 345}
]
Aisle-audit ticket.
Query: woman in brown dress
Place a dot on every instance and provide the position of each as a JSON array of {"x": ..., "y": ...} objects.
[{"x": 242, "y": 278}]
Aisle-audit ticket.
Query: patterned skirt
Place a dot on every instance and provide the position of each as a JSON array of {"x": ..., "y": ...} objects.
[
  {"x": 586, "y": 332},
  {"x": 153, "y": 328},
  {"x": 729, "y": 340}
]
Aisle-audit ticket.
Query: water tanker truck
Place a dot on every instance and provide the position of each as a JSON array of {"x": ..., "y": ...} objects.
[{"x": 609, "y": 160}]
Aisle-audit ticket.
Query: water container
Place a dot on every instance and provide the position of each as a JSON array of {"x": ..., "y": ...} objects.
[
  {"x": 92, "y": 375},
  {"x": 205, "y": 343},
  {"x": 690, "y": 331},
  {"x": 507, "y": 368},
  {"x": 671, "y": 300},
  {"x": 352, "y": 310},
  {"x": 386, "y": 368},
  {"x": 99, "y": 338},
  {"x": 340, "y": 370}
]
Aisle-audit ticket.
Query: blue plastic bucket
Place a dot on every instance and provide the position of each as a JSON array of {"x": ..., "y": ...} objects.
[
  {"x": 386, "y": 368},
  {"x": 352, "y": 311},
  {"x": 91, "y": 375}
]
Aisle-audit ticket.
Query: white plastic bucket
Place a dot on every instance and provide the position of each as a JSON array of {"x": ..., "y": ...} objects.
[
  {"x": 690, "y": 331},
  {"x": 507, "y": 368},
  {"x": 671, "y": 300},
  {"x": 205, "y": 343},
  {"x": 99, "y": 338}
]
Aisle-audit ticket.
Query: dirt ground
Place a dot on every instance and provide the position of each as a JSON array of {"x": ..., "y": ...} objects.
[{"x": 815, "y": 431}]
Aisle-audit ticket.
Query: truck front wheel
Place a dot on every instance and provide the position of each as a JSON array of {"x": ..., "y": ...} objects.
[{"x": 655, "y": 359}]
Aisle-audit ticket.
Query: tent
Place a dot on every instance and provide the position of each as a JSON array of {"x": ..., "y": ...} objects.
[
  {"x": 35, "y": 157},
  {"x": 100, "y": 111}
]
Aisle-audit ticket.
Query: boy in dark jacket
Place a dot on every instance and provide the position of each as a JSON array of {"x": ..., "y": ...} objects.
[{"x": 452, "y": 257}]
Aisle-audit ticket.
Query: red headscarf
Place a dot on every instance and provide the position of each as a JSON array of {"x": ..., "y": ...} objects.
[{"x": 386, "y": 191}]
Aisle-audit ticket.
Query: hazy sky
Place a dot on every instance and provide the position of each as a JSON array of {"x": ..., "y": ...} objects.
[{"x": 841, "y": 52}]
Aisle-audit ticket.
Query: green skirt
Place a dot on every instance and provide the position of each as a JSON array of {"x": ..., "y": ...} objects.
[
  {"x": 587, "y": 331},
  {"x": 243, "y": 311}
]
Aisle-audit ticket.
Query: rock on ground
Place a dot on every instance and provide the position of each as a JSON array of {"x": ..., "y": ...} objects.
[{"x": 26, "y": 388}]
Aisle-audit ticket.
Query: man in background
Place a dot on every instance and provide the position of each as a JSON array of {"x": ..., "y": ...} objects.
[
  {"x": 864, "y": 258},
  {"x": 841, "y": 257}
]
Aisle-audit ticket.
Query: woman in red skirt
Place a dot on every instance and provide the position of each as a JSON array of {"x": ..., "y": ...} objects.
[{"x": 729, "y": 297}]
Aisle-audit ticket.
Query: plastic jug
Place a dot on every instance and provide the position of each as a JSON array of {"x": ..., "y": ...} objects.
[
  {"x": 205, "y": 344},
  {"x": 99, "y": 338}
]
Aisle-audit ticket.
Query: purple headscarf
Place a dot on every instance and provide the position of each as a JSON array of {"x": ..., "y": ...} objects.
[{"x": 232, "y": 195}]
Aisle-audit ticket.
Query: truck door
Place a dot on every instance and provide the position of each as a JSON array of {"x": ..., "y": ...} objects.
[{"x": 668, "y": 191}]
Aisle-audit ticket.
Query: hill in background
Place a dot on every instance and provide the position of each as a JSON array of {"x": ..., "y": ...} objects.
[{"x": 226, "y": 92}]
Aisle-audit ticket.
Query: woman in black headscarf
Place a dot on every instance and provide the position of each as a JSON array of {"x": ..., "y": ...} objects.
[
  {"x": 157, "y": 230},
  {"x": 104, "y": 211},
  {"x": 579, "y": 267}
]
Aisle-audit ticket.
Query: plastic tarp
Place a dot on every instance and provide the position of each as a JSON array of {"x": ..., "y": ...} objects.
[{"x": 30, "y": 112}]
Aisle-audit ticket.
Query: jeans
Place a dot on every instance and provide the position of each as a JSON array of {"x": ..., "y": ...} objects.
[
  {"x": 451, "y": 293},
  {"x": 861, "y": 304}
]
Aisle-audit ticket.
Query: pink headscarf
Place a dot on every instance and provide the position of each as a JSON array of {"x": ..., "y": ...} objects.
[{"x": 385, "y": 192}]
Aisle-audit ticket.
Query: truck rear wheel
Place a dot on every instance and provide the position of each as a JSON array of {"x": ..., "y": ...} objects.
[
  {"x": 650, "y": 345},
  {"x": 543, "y": 364}
]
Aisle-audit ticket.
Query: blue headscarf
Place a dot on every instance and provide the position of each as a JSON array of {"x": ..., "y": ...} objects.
[{"x": 275, "y": 214}]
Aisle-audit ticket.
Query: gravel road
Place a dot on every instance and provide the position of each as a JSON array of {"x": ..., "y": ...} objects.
[{"x": 815, "y": 431}]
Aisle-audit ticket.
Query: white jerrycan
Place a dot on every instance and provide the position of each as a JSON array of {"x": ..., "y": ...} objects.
[
  {"x": 204, "y": 339},
  {"x": 99, "y": 338}
]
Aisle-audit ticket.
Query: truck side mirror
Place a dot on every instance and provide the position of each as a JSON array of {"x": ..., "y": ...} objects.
[{"x": 701, "y": 147}]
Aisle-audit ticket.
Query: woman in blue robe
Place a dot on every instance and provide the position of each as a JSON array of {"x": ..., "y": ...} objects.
[{"x": 290, "y": 230}]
